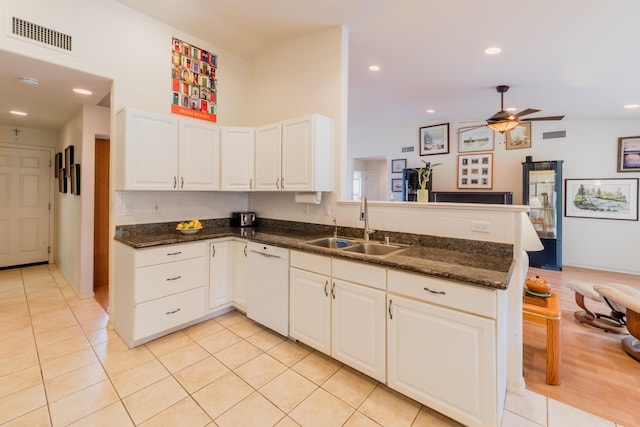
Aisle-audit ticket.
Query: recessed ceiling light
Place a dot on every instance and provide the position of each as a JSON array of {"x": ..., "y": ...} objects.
[
  {"x": 18, "y": 113},
  {"x": 631, "y": 106},
  {"x": 494, "y": 50},
  {"x": 82, "y": 91},
  {"x": 430, "y": 111},
  {"x": 374, "y": 67}
]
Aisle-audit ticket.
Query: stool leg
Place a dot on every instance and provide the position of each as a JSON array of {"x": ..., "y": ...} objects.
[{"x": 553, "y": 351}]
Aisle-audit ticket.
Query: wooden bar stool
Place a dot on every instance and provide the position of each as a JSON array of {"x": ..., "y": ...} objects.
[{"x": 549, "y": 315}]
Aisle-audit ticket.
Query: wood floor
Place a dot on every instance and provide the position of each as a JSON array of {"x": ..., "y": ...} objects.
[{"x": 597, "y": 375}]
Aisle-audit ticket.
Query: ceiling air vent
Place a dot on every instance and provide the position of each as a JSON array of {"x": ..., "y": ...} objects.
[{"x": 42, "y": 35}]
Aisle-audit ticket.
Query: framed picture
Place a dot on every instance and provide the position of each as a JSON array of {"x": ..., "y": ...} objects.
[
  {"x": 68, "y": 160},
  {"x": 475, "y": 170},
  {"x": 397, "y": 165},
  {"x": 434, "y": 139},
  {"x": 605, "y": 198},
  {"x": 396, "y": 185},
  {"x": 475, "y": 139},
  {"x": 629, "y": 154},
  {"x": 62, "y": 181},
  {"x": 57, "y": 163},
  {"x": 75, "y": 179},
  {"x": 519, "y": 137}
]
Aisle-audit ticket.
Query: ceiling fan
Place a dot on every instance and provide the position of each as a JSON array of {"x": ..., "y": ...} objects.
[{"x": 503, "y": 121}]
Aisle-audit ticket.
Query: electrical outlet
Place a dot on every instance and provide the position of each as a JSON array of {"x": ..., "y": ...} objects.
[{"x": 481, "y": 226}]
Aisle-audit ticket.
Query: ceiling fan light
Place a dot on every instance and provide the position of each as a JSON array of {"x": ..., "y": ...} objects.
[{"x": 503, "y": 126}]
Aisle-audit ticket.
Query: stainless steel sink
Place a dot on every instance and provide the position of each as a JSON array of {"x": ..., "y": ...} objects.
[
  {"x": 332, "y": 242},
  {"x": 373, "y": 248}
]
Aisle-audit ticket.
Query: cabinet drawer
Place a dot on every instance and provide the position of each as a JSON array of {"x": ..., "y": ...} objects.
[
  {"x": 170, "y": 278},
  {"x": 357, "y": 272},
  {"x": 317, "y": 263},
  {"x": 445, "y": 293},
  {"x": 165, "y": 313},
  {"x": 169, "y": 253}
]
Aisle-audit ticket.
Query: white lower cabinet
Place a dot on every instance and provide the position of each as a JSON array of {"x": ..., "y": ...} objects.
[
  {"x": 239, "y": 274},
  {"x": 343, "y": 319},
  {"x": 219, "y": 274},
  {"x": 157, "y": 290},
  {"x": 310, "y": 309},
  {"x": 442, "y": 357}
]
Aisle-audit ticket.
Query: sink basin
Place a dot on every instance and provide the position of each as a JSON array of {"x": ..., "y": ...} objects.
[
  {"x": 331, "y": 242},
  {"x": 373, "y": 248}
]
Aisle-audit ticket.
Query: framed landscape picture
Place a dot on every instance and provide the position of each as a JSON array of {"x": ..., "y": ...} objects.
[
  {"x": 397, "y": 165},
  {"x": 475, "y": 171},
  {"x": 519, "y": 137},
  {"x": 629, "y": 154},
  {"x": 604, "y": 198},
  {"x": 434, "y": 139},
  {"x": 475, "y": 139}
]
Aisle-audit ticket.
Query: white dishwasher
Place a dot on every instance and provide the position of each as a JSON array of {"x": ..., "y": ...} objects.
[{"x": 268, "y": 287}]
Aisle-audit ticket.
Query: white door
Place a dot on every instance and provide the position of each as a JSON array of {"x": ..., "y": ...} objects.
[
  {"x": 236, "y": 159},
  {"x": 358, "y": 328},
  {"x": 240, "y": 274},
  {"x": 267, "y": 157},
  {"x": 444, "y": 359},
  {"x": 297, "y": 154},
  {"x": 199, "y": 156},
  {"x": 24, "y": 206},
  {"x": 219, "y": 272},
  {"x": 310, "y": 309}
]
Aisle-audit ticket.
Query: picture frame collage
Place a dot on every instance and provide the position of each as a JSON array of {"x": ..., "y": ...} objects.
[
  {"x": 67, "y": 172},
  {"x": 194, "y": 81}
]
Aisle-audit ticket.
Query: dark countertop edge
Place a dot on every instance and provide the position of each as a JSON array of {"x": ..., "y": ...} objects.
[{"x": 493, "y": 279}]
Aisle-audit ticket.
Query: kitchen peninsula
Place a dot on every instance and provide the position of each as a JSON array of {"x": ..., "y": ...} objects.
[{"x": 428, "y": 320}]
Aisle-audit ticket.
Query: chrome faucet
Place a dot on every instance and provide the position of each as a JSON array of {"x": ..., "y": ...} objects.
[
  {"x": 335, "y": 227},
  {"x": 364, "y": 216}
]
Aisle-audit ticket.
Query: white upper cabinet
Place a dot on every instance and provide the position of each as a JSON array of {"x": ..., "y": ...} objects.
[
  {"x": 199, "y": 156},
  {"x": 306, "y": 153},
  {"x": 236, "y": 158},
  {"x": 148, "y": 148},
  {"x": 268, "y": 168},
  {"x": 162, "y": 152}
]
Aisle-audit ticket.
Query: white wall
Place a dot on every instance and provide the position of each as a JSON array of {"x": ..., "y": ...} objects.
[{"x": 588, "y": 151}]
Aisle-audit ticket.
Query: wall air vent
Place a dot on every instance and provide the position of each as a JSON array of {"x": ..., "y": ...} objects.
[
  {"x": 556, "y": 134},
  {"x": 407, "y": 149},
  {"x": 41, "y": 35}
]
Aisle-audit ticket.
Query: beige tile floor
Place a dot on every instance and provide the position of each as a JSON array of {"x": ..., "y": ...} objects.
[{"x": 61, "y": 364}]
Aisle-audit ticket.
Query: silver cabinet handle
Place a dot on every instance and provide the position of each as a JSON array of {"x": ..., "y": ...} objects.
[
  {"x": 435, "y": 292},
  {"x": 282, "y": 182},
  {"x": 245, "y": 250},
  {"x": 175, "y": 182},
  {"x": 173, "y": 278},
  {"x": 278, "y": 183},
  {"x": 250, "y": 183},
  {"x": 333, "y": 290},
  {"x": 182, "y": 182},
  {"x": 390, "y": 314},
  {"x": 326, "y": 283},
  {"x": 174, "y": 253},
  {"x": 213, "y": 251},
  {"x": 263, "y": 254},
  {"x": 174, "y": 311}
]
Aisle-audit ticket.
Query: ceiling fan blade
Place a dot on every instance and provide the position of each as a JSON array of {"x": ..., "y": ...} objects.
[
  {"x": 525, "y": 112},
  {"x": 539, "y": 119},
  {"x": 468, "y": 128}
]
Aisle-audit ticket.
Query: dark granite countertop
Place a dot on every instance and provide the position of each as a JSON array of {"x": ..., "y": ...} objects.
[{"x": 472, "y": 262}]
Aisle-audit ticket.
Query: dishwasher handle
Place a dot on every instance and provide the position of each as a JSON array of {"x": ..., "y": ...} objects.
[{"x": 265, "y": 254}]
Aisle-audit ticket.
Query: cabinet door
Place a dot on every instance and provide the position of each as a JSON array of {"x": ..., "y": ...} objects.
[
  {"x": 297, "y": 154},
  {"x": 150, "y": 157},
  {"x": 239, "y": 275},
  {"x": 310, "y": 309},
  {"x": 219, "y": 283},
  {"x": 444, "y": 359},
  {"x": 267, "y": 158},
  {"x": 236, "y": 158},
  {"x": 199, "y": 156},
  {"x": 358, "y": 328},
  {"x": 306, "y": 154}
]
